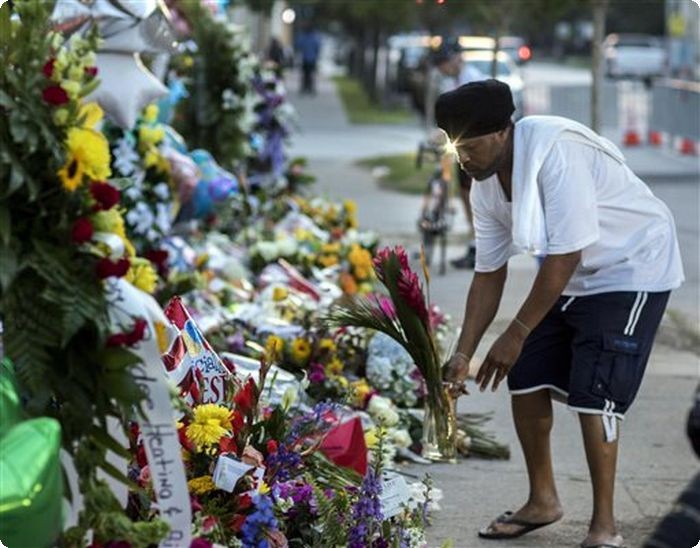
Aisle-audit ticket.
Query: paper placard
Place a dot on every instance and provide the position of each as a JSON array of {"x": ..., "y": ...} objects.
[
  {"x": 395, "y": 494},
  {"x": 229, "y": 470}
]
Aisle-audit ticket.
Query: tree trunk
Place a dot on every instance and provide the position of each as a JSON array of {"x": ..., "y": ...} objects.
[
  {"x": 372, "y": 81},
  {"x": 600, "y": 8}
]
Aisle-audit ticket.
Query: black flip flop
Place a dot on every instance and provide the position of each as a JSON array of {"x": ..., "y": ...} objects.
[{"x": 506, "y": 517}]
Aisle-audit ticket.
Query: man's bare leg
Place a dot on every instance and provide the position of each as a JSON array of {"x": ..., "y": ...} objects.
[
  {"x": 602, "y": 462},
  {"x": 532, "y": 414}
]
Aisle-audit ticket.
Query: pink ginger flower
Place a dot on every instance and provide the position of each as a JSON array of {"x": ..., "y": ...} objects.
[
  {"x": 378, "y": 261},
  {"x": 402, "y": 256},
  {"x": 412, "y": 294},
  {"x": 387, "y": 307}
]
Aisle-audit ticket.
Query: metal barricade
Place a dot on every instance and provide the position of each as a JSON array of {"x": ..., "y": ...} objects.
[{"x": 676, "y": 109}]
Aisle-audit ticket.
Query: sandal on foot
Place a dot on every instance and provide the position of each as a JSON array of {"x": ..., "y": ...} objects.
[
  {"x": 507, "y": 518},
  {"x": 607, "y": 544}
]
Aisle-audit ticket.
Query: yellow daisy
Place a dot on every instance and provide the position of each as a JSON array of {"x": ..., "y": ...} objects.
[{"x": 142, "y": 275}]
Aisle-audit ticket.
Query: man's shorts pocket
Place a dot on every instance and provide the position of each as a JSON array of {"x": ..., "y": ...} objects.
[{"x": 616, "y": 377}]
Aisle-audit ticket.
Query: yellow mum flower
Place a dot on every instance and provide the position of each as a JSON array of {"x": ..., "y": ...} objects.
[
  {"x": 334, "y": 367},
  {"x": 363, "y": 272},
  {"x": 150, "y": 114},
  {"x": 91, "y": 113},
  {"x": 327, "y": 260},
  {"x": 352, "y": 221},
  {"x": 350, "y": 206},
  {"x": 142, "y": 275},
  {"x": 279, "y": 294},
  {"x": 211, "y": 422},
  {"x": 301, "y": 350},
  {"x": 88, "y": 154},
  {"x": 327, "y": 345},
  {"x": 150, "y": 135},
  {"x": 201, "y": 485},
  {"x": 360, "y": 390},
  {"x": 371, "y": 438},
  {"x": 329, "y": 249}
]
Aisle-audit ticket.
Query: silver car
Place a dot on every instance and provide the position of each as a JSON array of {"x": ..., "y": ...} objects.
[{"x": 637, "y": 56}]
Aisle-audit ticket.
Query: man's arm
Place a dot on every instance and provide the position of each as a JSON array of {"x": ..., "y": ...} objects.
[
  {"x": 482, "y": 304},
  {"x": 555, "y": 273}
]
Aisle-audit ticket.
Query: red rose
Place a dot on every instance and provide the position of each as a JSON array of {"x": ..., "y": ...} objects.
[
  {"x": 159, "y": 258},
  {"x": 237, "y": 421},
  {"x": 48, "y": 68},
  {"x": 244, "y": 398},
  {"x": 91, "y": 71},
  {"x": 105, "y": 195},
  {"x": 184, "y": 440},
  {"x": 237, "y": 522},
  {"x": 82, "y": 230},
  {"x": 244, "y": 501},
  {"x": 272, "y": 446},
  {"x": 228, "y": 445},
  {"x": 107, "y": 268},
  {"x": 55, "y": 95}
]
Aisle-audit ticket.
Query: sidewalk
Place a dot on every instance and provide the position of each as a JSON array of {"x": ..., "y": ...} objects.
[{"x": 655, "y": 458}]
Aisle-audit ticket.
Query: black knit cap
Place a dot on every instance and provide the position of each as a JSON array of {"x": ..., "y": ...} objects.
[{"x": 474, "y": 109}]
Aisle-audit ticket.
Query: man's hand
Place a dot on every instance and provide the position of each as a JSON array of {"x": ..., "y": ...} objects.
[
  {"x": 500, "y": 359},
  {"x": 457, "y": 371}
]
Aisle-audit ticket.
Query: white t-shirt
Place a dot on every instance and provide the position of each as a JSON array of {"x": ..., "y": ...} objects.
[{"x": 594, "y": 204}]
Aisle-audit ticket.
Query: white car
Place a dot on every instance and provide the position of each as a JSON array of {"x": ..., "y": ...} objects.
[
  {"x": 637, "y": 56},
  {"x": 506, "y": 71}
]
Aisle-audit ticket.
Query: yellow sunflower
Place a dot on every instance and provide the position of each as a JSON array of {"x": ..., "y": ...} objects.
[
  {"x": 301, "y": 350},
  {"x": 88, "y": 154},
  {"x": 274, "y": 346},
  {"x": 327, "y": 345},
  {"x": 334, "y": 367}
]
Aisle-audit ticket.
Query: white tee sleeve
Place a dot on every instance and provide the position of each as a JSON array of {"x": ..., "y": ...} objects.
[
  {"x": 493, "y": 237},
  {"x": 569, "y": 198}
]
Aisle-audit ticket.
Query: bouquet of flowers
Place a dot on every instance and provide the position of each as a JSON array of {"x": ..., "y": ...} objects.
[{"x": 405, "y": 317}]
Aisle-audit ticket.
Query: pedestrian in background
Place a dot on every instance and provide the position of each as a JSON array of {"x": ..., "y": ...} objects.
[
  {"x": 453, "y": 72},
  {"x": 308, "y": 46}
]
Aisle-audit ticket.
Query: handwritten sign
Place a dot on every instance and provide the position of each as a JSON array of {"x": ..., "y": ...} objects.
[
  {"x": 229, "y": 470},
  {"x": 394, "y": 496}
]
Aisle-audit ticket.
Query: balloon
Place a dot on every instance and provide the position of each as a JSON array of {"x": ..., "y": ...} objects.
[
  {"x": 184, "y": 173},
  {"x": 154, "y": 34},
  {"x": 126, "y": 87},
  {"x": 30, "y": 472}
]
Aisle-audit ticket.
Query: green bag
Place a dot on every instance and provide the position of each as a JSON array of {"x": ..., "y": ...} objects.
[{"x": 30, "y": 472}]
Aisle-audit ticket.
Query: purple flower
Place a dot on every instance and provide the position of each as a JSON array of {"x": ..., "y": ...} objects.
[
  {"x": 366, "y": 513},
  {"x": 317, "y": 375},
  {"x": 261, "y": 521}
]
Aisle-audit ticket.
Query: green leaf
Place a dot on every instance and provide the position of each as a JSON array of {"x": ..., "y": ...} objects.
[
  {"x": 5, "y": 224},
  {"x": 8, "y": 266},
  {"x": 118, "y": 359},
  {"x": 117, "y": 475},
  {"x": 102, "y": 438},
  {"x": 5, "y": 100}
]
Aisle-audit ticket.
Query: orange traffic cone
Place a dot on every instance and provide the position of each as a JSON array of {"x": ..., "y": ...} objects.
[
  {"x": 656, "y": 138},
  {"x": 688, "y": 147},
  {"x": 632, "y": 138}
]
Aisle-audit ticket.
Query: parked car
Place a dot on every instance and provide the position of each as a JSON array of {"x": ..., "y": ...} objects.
[{"x": 638, "y": 56}]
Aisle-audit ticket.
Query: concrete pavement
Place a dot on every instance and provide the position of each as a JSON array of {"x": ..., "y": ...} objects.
[{"x": 655, "y": 458}]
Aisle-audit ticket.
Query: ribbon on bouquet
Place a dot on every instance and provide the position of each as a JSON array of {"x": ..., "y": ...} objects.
[{"x": 157, "y": 426}]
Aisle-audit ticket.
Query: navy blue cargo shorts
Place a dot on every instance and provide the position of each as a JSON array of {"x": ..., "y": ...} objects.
[{"x": 591, "y": 352}]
